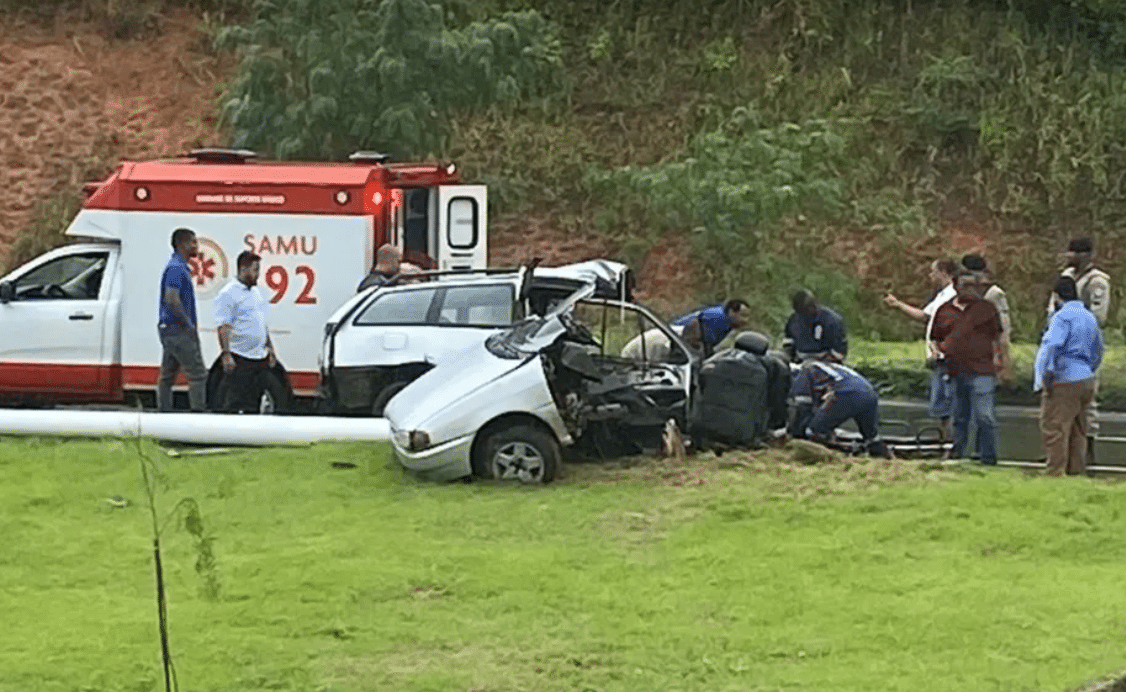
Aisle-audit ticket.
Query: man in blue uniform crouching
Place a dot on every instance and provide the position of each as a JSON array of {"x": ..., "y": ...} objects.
[{"x": 825, "y": 395}]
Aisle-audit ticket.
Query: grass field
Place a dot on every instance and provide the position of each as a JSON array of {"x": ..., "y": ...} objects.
[{"x": 742, "y": 573}]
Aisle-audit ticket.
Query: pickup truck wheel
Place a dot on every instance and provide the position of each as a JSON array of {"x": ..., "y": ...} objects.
[
  {"x": 384, "y": 396},
  {"x": 521, "y": 453}
]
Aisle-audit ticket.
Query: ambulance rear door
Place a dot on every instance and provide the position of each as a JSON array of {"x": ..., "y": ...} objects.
[{"x": 462, "y": 213}]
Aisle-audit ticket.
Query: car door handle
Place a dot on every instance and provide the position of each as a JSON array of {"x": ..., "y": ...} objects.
[{"x": 81, "y": 316}]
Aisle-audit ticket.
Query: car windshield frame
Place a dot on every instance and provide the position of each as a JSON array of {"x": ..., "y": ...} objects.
[{"x": 527, "y": 337}]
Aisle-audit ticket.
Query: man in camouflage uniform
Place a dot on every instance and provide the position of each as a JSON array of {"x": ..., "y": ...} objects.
[{"x": 1094, "y": 290}]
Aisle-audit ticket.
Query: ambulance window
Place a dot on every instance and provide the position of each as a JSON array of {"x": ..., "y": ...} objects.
[
  {"x": 478, "y": 306},
  {"x": 461, "y": 223},
  {"x": 73, "y": 277},
  {"x": 400, "y": 307}
]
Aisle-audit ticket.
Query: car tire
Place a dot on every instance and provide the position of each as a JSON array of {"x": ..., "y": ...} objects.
[
  {"x": 384, "y": 396},
  {"x": 523, "y": 453}
]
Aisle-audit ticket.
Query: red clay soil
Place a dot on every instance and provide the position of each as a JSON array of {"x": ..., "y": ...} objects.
[
  {"x": 665, "y": 281},
  {"x": 72, "y": 104}
]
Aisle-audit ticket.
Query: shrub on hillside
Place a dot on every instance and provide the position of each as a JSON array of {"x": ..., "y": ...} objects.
[{"x": 323, "y": 78}]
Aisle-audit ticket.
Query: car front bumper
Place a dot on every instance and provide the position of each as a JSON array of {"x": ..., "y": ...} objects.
[{"x": 447, "y": 461}]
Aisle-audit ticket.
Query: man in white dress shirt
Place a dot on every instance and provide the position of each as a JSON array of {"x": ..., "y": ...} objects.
[
  {"x": 244, "y": 341},
  {"x": 942, "y": 279}
]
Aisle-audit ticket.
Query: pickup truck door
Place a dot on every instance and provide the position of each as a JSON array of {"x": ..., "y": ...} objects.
[
  {"x": 462, "y": 220},
  {"x": 54, "y": 327}
]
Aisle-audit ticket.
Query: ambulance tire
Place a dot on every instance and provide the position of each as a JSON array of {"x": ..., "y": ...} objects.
[
  {"x": 276, "y": 388},
  {"x": 278, "y": 391}
]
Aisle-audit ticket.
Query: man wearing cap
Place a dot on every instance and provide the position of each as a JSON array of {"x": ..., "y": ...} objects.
[
  {"x": 1093, "y": 288},
  {"x": 993, "y": 293}
]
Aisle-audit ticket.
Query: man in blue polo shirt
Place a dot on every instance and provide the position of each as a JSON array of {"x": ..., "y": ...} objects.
[
  {"x": 814, "y": 331},
  {"x": 178, "y": 327},
  {"x": 716, "y": 321}
]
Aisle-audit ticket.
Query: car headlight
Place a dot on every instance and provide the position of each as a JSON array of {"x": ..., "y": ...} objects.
[
  {"x": 413, "y": 440},
  {"x": 419, "y": 440},
  {"x": 402, "y": 438}
]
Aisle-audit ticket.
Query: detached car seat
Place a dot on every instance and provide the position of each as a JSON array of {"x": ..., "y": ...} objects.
[{"x": 732, "y": 404}]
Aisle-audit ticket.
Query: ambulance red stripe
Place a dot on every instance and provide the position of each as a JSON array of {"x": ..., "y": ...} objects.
[{"x": 75, "y": 382}]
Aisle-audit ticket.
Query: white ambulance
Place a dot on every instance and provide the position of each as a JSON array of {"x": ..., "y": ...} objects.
[{"x": 79, "y": 323}]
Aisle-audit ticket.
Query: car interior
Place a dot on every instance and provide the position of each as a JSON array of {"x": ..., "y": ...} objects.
[{"x": 615, "y": 405}]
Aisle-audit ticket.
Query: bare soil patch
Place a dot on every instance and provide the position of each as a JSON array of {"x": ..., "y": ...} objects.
[{"x": 73, "y": 103}]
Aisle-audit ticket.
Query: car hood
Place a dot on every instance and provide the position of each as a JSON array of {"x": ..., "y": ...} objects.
[{"x": 450, "y": 383}]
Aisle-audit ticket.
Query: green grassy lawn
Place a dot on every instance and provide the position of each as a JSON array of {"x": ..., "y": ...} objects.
[{"x": 742, "y": 573}]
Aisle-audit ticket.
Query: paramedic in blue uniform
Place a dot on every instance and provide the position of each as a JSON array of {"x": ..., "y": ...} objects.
[
  {"x": 178, "y": 327},
  {"x": 716, "y": 321},
  {"x": 825, "y": 395},
  {"x": 814, "y": 331}
]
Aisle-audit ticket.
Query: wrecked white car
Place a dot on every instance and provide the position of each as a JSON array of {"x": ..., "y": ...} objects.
[
  {"x": 506, "y": 407},
  {"x": 387, "y": 336}
]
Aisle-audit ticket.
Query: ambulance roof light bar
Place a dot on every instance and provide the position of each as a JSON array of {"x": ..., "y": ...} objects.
[
  {"x": 222, "y": 155},
  {"x": 369, "y": 157}
]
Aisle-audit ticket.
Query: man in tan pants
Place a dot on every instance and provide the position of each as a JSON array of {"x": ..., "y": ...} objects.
[
  {"x": 1069, "y": 357},
  {"x": 1093, "y": 286}
]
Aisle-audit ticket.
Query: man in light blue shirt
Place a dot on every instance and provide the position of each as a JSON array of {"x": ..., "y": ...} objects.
[
  {"x": 247, "y": 354},
  {"x": 1069, "y": 357}
]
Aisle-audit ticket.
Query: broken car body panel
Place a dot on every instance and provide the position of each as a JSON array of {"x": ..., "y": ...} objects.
[{"x": 542, "y": 369}]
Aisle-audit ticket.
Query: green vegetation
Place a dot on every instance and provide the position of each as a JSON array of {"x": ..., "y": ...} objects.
[
  {"x": 839, "y": 146},
  {"x": 327, "y": 77},
  {"x": 897, "y": 370},
  {"x": 744, "y": 572},
  {"x": 998, "y": 123}
]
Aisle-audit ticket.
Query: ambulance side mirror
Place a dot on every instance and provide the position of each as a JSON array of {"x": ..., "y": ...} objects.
[{"x": 7, "y": 292}]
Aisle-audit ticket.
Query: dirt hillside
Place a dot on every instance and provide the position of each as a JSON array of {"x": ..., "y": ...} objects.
[{"x": 72, "y": 103}]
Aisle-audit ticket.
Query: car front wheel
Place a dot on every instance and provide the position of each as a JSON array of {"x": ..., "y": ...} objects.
[{"x": 521, "y": 453}]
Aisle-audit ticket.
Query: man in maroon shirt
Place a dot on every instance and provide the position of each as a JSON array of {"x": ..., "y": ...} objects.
[{"x": 968, "y": 335}]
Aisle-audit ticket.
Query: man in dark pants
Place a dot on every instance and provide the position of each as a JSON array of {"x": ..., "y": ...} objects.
[
  {"x": 1093, "y": 287},
  {"x": 814, "y": 331},
  {"x": 178, "y": 327},
  {"x": 1066, "y": 366},
  {"x": 827, "y": 394},
  {"x": 247, "y": 354}
]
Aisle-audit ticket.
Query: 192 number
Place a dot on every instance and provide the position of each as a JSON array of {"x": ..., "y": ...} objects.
[{"x": 277, "y": 280}]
